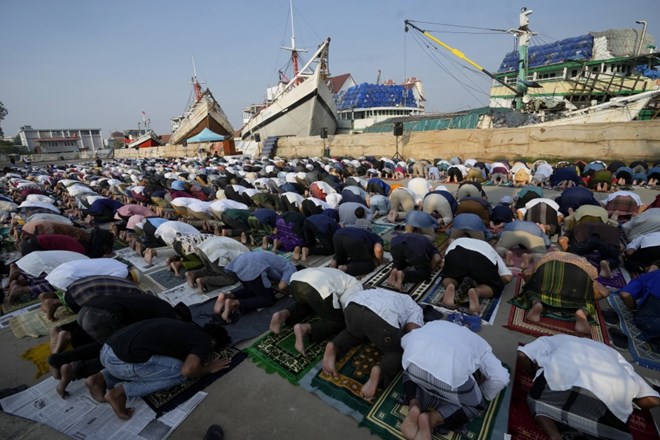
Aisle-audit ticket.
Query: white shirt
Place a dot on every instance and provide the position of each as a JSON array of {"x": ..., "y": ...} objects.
[
  {"x": 534, "y": 202},
  {"x": 419, "y": 186},
  {"x": 329, "y": 281},
  {"x": 221, "y": 250},
  {"x": 452, "y": 353},
  {"x": 222, "y": 205},
  {"x": 484, "y": 249},
  {"x": 567, "y": 361},
  {"x": 396, "y": 309},
  {"x": 294, "y": 198},
  {"x": 644, "y": 241},
  {"x": 66, "y": 273}
]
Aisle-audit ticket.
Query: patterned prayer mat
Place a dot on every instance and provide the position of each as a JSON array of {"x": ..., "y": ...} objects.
[
  {"x": 550, "y": 326},
  {"x": 119, "y": 244},
  {"x": 522, "y": 426},
  {"x": 488, "y": 306},
  {"x": 353, "y": 369},
  {"x": 641, "y": 351},
  {"x": 277, "y": 354},
  {"x": 166, "y": 400},
  {"x": 617, "y": 281},
  {"x": 415, "y": 290},
  {"x": 36, "y": 324},
  {"x": 382, "y": 228},
  {"x": 385, "y": 417}
]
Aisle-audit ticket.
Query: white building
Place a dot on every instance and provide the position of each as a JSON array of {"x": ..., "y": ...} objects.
[{"x": 61, "y": 140}]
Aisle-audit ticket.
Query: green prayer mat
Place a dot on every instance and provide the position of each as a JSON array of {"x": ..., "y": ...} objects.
[
  {"x": 353, "y": 371},
  {"x": 385, "y": 417},
  {"x": 277, "y": 354}
]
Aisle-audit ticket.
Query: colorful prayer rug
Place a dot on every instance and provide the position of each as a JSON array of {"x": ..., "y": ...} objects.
[
  {"x": 522, "y": 426},
  {"x": 353, "y": 371},
  {"x": 550, "y": 326},
  {"x": 382, "y": 228},
  {"x": 277, "y": 354},
  {"x": 616, "y": 281},
  {"x": 385, "y": 417},
  {"x": 641, "y": 351},
  {"x": 166, "y": 400},
  {"x": 415, "y": 290}
]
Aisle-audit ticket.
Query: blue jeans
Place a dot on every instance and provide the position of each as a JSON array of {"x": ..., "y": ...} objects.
[{"x": 158, "y": 373}]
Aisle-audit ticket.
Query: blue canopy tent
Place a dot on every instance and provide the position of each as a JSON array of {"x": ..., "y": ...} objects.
[{"x": 206, "y": 135}]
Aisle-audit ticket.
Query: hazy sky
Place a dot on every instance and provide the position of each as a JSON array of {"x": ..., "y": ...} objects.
[{"x": 99, "y": 64}]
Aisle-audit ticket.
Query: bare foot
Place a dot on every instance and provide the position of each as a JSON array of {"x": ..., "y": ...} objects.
[
  {"x": 508, "y": 258},
  {"x": 149, "y": 255},
  {"x": 329, "y": 359},
  {"x": 605, "y": 270},
  {"x": 201, "y": 287},
  {"x": 525, "y": 261},
  {"x": 219, "y": 302},
  {"x": 534, "y": 313},
  {"x": 301, "y": 330},
  {"x": 563, "y": 243},
  {"x": 425, "y": 429},
  {"x": 449, "y": 296},
  {"x": 296, "y": 254},
  {"x": 63, "y": 338},
  {"x": 230, "y": 305},
  {"x": 176, "y": 267},
  {"x": 391, "y": 216},
  {"x": 190, "y": 279},
  {"x": 50, "y": 307},
  {"x": 582, "y": 323},
  {"x": 473, "y": 296},
  {"x": 370, "y": 388},
  {"x": 305, "y": 254},
  {"x": 116, "y": 397},
  {"x": 54, "y": 331},
  {"x": 391, "y": 279},
  {"x": 398, "y": 284},
  {"x": 278, "y": 320},
  {"x": 410, "y": 425},
  {"x": 66, "y": 374},
  {"x": 96, "y": 386}
]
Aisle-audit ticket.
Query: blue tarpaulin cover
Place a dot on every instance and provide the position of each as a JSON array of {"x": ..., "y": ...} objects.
[{"x": 206, "y": 135}]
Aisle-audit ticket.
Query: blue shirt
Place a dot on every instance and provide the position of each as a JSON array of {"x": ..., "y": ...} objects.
[
  {"x": 323, "y": 223},
  {"x": 370, "y": 238},
  {"x": 574, "y": 198},
  {"x": 421, "y": 219},
  {"x": 644, "y": 286},
  {"x": 470, "y": 222},
  {"x": 265, "y": 216},
  {"x": 250, "y": 265}
]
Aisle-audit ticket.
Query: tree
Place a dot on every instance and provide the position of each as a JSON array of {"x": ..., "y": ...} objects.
[{"x": 3, "y": 113}]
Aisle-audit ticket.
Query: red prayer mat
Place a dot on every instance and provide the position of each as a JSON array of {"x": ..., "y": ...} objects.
[
  {"x": 522, "y": 426},
  {"x": 550, "y": 326}
]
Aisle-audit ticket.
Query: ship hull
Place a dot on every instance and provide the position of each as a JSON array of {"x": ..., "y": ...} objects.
[
  {"x": 204, "y": 114},
  {"x": 303, "y": 111}
]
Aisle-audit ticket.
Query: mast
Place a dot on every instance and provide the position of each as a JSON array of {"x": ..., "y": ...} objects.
[
  {"x": 196, "y": 86},
  {"x": 524, "y": 35},
  {"x": 295, "y": 57}
]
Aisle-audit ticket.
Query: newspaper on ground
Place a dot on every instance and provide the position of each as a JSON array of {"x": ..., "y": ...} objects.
[{"x": 81, "y": 417}]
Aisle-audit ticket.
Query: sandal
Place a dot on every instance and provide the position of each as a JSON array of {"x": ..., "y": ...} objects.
[
  {"x": 619, "y": 339},
  {"x": 610, "y": 317},
  {"x": 214, "y": 432}
]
